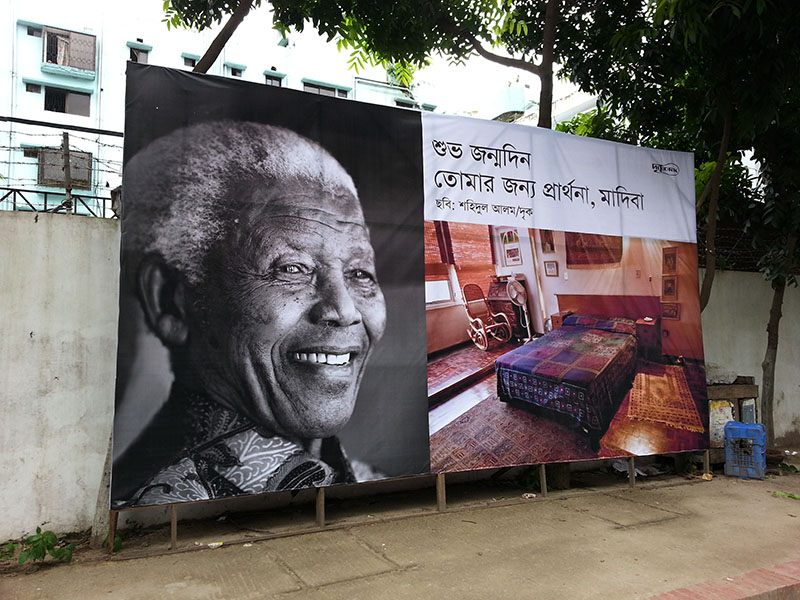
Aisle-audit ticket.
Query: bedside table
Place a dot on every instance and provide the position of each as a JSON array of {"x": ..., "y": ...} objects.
[
  {"x": 649, "y": 334},
  {"x": 557, "y": 319}
]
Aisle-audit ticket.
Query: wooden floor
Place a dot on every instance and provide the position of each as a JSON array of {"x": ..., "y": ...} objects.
[
  {"x": 447, "y": 372},
  {"x": 446, "y": 369},
  {"x": 449, "y": 411}
]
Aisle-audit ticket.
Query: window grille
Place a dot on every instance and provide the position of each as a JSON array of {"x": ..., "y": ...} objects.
[
  {"x": 324, "y": 90},
  {"x": 65, "y": 101},
  {"x": 68, "y": 48}
]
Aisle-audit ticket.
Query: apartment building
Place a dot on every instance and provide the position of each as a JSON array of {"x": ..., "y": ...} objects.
[{"x": 62, "y": 96}]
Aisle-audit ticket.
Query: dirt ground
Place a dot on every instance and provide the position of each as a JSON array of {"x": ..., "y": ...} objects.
[{"x": 496, "y": 539}]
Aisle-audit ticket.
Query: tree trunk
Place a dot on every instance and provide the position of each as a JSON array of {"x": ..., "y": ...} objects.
[
  {"x": 711, "y": 230},
  {"x": 768, "y": 366},
  {"x": 214, "y": 50},
  {"x": 546, "y": 67}
]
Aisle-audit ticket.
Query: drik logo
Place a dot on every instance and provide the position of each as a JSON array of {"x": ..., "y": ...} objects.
[{"x": 667, "y": 169}]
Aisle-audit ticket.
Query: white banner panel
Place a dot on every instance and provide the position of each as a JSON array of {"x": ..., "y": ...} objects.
[{"x": 487, "y": 172}]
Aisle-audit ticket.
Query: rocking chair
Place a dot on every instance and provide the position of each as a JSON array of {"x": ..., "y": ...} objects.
[{"x": 482, "y": 321}]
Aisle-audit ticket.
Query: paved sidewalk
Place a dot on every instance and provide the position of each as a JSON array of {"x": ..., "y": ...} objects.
[{"x": 727, "y": 538}]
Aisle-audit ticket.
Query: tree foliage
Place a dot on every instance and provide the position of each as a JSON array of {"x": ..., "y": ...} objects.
[
  {"x": 717, "y": 77},
  {"x": 702, "y": 75},
  {"x": 408, "y": 32}
]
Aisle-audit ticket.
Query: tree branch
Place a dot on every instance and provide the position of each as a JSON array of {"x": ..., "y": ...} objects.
[
  {"x": 506, "y": 61},
  {"x": 214, "y": 50},
  {"x": 711, "y": 231},
  {"x": 552, "y": 15},
  {"x": 771, "y": 354},
  {"x": 450, "y": 27},
  {"x": 702, "y": 199}
]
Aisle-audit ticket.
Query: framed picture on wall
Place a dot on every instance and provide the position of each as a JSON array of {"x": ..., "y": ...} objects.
[
  {"x": 551, "y": 268},
  {"x": 548, "y": 244},
  {"x": 511, "y": 252},
  {"x": 671, "y": 310},
  {"x": 669, "y": 263},
  {"x": 669, "y": 288}
]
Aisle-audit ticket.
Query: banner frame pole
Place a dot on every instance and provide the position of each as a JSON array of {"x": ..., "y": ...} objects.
[
  {"x": 441, "y": 492},
  {"x": 320, "y": 507}
]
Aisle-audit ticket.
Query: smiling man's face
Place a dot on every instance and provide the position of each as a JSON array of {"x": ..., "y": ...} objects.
[{"x": 292, "y": 311}]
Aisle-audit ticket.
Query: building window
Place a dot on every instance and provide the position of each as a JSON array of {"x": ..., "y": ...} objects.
[
  {"x": 274, "y": 80},
  {"x": 69, "y": 48},
  {"x": 189, "y": 62},
  {"x": 233, "y": 69},
  {"x": 405, "y": 104},
  {"x": 456, "y": 254},
  {"x": 34, "y": 31},
  {"x": 438, "y": 291},
  {"x": 438, "y": 287},
  {"x": 324, "y": 90},
  {"x": 30, "y": 152},
  {"x": 33, "y": 88},
  {"x": 138, "y": 51},
  {"x": 139, "y": 56},
  {"x": 51, "y": 168},
  {"x": 65, "y": 101}
]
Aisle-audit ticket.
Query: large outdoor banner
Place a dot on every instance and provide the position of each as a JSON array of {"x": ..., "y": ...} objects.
[{"x": 317, "y": 291}]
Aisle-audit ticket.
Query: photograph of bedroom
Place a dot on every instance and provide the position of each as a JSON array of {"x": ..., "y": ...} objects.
[{"x": 551, "y": 346}]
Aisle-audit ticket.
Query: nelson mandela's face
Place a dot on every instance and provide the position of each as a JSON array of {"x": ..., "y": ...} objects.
[{"x": 291, "y": 309}]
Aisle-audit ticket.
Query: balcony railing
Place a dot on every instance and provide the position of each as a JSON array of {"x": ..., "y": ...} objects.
[{"x": 53, "y": 202}]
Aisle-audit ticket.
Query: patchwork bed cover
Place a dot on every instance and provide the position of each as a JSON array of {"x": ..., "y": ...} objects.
[{"x": 582, "y": 370}]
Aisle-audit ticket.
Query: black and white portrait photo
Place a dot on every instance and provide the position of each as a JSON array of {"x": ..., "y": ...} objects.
[{"x": 272, "y": 316}]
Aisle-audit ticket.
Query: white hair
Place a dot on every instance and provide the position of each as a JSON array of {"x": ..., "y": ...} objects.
[{"x": 180, "y": 192}]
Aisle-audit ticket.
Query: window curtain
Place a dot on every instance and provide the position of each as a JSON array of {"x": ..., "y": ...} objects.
[
  {"x": 436, "y": 255},
  {"x": 472, "y": 254}
]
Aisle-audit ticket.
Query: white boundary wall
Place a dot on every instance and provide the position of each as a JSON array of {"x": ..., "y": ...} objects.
[
  {"x": 59, "y": 280},
  {"x": 735, "y": 337}
]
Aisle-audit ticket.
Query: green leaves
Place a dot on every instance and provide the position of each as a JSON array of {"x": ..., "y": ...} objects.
[
  {"x": 598, "y": 123},
  {"x": 172, "y": 18},
  {"x": 401, "y": 73},
  {"x": 7, "y": 551},
  {"x": 786, "y": 495},
  {"x": 117, "y": 545},
  {"x": 36, "y": 547}
]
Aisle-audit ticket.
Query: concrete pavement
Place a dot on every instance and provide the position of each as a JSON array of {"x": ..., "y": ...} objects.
[{"x": 601, "y": 541}]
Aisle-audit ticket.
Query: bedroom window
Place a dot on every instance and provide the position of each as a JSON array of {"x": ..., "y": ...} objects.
[
  {"x": 456, "y": 254},
  {"x": 437, "y": 270},
  {"x": 472, "y": 254},
  {"x": 438, "y": 291}
]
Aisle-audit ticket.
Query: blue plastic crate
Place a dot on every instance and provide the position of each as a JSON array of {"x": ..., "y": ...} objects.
[{"x": 745, "y": 450}]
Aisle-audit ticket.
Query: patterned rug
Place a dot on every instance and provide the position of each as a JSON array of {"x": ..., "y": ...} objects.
[
  {"x": 661, "y": 394},
  {"x": 493, "y": 434}
]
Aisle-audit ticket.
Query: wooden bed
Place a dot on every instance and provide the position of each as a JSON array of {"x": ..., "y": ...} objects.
[{"x": 581, "y": 371}]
